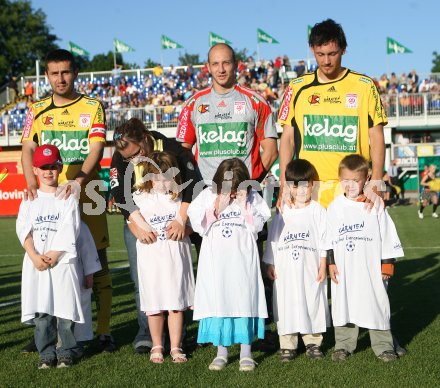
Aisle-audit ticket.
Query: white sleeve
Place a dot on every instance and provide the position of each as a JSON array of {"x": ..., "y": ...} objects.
[
  {"x": 87, "y": 252},
  {"x": 197, "y": 211},
  {"x": 329, "y": 228},
  {"x": 259, "y": 210},
  {"x": 24, "y": 224},
  {"x": 391, "y": 245},
  {"x": 68, "y": 227},
  {"x": 276, "y": 227},
  {"x": 321, "y": 219}
]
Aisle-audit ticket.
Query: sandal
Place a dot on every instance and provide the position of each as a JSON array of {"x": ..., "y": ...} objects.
[
  {"x": 287, "y": 355},
  {"x": 314, "y": 352},
  {"x": 177, "y": 356},
  {"x": 247, "y": 364},
  {"x": 218, "y": 363},
  {"x": 156, "y": 357}
]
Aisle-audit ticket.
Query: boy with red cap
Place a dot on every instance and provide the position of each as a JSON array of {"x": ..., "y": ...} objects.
[{"x": 47, "y": 228}]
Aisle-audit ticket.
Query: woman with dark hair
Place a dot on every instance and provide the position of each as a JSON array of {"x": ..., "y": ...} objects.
[{"x": 134, "y": 143}]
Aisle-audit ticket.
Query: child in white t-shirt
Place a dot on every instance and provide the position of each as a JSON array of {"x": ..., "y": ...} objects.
[
  {"x": 47, "y": 228},
  {"x": 297, "y": 263},
  {"x": 365, "y": 244},
  {"x": 229, "y": 298},
  {"x": 166, "y": 279}
]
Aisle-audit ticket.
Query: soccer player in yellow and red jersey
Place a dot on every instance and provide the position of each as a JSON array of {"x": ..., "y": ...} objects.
[
  {"x": 331, "y": 113},
  {"x": 74, "y": 123}
]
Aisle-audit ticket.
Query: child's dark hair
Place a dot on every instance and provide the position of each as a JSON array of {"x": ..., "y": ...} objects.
[
  {"x": 238, "y": 174},
  {"x": 301, "y": 170},
  {"x": 354, "y": 162},
  {"x": 61, "y": 55},
  {"x": 327, "y": 31},
  {"x": 161, "y": 163}
]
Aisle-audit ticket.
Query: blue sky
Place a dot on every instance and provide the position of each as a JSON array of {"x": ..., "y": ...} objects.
[{"x": 93, "y": 25}]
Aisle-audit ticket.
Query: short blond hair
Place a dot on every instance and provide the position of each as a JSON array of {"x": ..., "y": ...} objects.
[{"x": 354, "y": 162}]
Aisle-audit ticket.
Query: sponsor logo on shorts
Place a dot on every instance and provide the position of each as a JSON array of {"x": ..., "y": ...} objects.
[
  {"x": 239, "y": 107},
  {"x": 204, "y": 108},
  {"x": 284, "y": 112},
  {"x": 226, "y": 139},
  {"x": 84, "y": 120},
  {"x": 314, "y": 99},
  {"x": 351, "y": 101},
  {"x": 330, "y": 133}
]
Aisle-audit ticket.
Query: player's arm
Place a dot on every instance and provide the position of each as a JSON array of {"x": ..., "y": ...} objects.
[
  {"x": 287, "y": 146},
  {"x": 27, "y": 152},
  {"x": 377, "y": 150},
  {"x": 96, "y": 150},
  {"x": 269, "y": 154}
]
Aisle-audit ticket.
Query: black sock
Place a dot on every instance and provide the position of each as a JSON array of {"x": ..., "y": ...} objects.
[
  {"x": 421, "y": 208},
  {"x": 434, "y": 208}
]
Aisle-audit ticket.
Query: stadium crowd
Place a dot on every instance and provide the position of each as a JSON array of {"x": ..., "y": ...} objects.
[{"x": 170, "y": 87}]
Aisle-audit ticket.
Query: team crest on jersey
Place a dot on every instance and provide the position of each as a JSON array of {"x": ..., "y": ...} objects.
[
  {"x": 84, "y": 120},
  {"x": 314, "y": 99},
  {"x": 239, "y": 107},
  {"x": 351, "y": 101},
  {"x": 48, "y": 120},
  {"x": 204, "y": 108}
]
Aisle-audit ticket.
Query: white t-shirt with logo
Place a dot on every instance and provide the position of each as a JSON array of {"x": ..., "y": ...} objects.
[
  {"x": 360, "y": 240},
  {"x": 294, "y": 246}
]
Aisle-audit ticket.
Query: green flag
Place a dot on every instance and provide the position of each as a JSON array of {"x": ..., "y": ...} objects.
[
  {"x": 394, "y": 47},
  {"x": 167, "y": 43},
  {"x": 121, "y": 47},
  {"x": 309, "y": 30},
  {"x": 214, "y": 39},
  {"x": 264, "y": 37},
  {"x": 76, "y": 50}
]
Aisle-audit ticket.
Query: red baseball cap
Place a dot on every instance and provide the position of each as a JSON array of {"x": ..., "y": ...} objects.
[{"x": 45, "y": 155}]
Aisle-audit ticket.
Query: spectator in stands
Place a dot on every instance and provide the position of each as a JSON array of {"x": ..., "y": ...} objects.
[
  {"x": 286, "y": 63},
  {"x": 29, "y": 90},
  {"x": 413, "y": 77},
  {"x": 403, "y": 81},
  {"x": 394, "y": 80},
  {"x": 251, "y": 65},
  {"x": 158, "y": 70},
  {"x": 13, "y": 89},
  {"x": 424, "y": 86},
  {"x": 383, "y": 84},
  {"x": 300, "y": 68}
]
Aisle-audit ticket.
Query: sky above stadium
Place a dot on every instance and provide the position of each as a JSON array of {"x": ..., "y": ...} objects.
[{"x": 367, "y": 23}]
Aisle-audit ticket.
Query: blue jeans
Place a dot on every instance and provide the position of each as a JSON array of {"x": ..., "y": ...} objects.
[
  {"x": 47, "y": 330},
  {"x": 143, "y": 336}
]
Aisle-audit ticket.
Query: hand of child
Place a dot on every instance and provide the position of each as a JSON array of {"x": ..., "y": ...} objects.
[
  {"x": 51, "y": 258},
  {"x": 270, "y": 271},
  {"x": 333, "y": 271},
  {"x": 88, "y": 281},
  {"x": 39, "y": 262},
  {"x": 222, "y": 201},
  {"x": 322, "y": 274}
]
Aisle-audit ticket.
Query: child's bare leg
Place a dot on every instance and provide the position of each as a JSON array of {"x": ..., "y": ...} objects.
[
  {"x": 155, "y": 323},
  {"x": 175, "y": 326}
]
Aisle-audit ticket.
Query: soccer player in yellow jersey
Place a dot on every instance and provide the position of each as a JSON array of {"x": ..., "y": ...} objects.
[
  {"x": 74, "y": 123},
  {"x": 331, "y": 113}
]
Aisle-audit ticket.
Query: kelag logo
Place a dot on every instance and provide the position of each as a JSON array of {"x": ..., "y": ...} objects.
[
  {"x": 225, "y": 139},
  {"x": 330, "y": 133},
  {"x": 73, "y": 145}
]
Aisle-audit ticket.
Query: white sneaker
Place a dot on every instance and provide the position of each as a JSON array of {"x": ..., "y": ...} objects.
[
  {"x": 434, "y": 215},
  {"x": 420, "y": 215}
]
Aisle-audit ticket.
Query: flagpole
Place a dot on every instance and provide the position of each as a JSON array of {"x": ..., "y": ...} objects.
[
  {"x": 258, "y": 51},
  {"x": 114, "y": 57},
  {"x": 161, "y": 56}
]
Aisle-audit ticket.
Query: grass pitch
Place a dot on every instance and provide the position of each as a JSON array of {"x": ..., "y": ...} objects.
[{"x": 415, "y": 301}]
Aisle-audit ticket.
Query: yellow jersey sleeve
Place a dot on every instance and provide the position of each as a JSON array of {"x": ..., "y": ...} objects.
[{"x": 99, "y": 128}]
